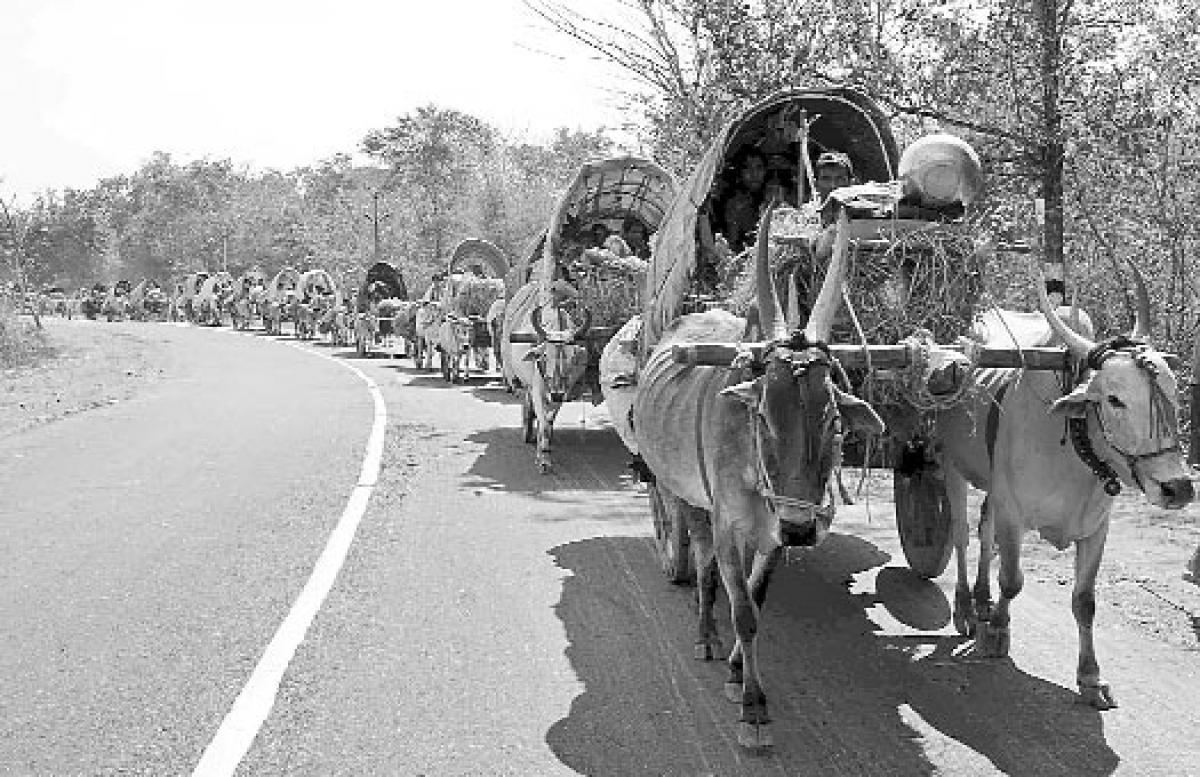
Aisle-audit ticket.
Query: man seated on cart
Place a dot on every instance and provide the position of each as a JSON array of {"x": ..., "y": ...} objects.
[{"x": 832, "y": 170}]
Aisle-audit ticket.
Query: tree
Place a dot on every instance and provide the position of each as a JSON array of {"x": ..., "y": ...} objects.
[{"x": 435, "y": 154}]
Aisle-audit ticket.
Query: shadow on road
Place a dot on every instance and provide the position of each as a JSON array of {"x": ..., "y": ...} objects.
[
  {"x": 493, "y": 390},
  {"x": 584, "y": 459},
  {"x": 844, "y": 699}
]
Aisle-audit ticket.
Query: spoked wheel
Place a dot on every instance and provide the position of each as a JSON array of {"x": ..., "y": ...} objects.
[
  {"x": 671, "y": 539},
  {"x": 922, "y": 511}
]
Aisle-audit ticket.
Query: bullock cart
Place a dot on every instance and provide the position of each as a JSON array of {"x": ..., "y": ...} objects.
[
  {"x": 184, "y": 295},
  {"x": 93, "y": 300},
  {"x": 116, "y": 301},
  {"x": 743, "y": 380},
  {"x": 318, "y": 307},
  {"x": 911, "y": 268},
  {"x": 472, "y": 302},
  {"x": 278, "y": 305},
  {"x": 585, "y": 279},
  {"x": 248, "y": 296},
  {"x": 383, "y": 315},
  {"x": 212, "y": 298},
  {"x": 740, "y": 421},
  {"x": 147, "y": 300}
]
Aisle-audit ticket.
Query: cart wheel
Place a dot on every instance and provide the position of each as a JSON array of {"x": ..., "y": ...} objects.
[
  {"x": 923, "y": 520},
  {"x": 671, "y": 539}
]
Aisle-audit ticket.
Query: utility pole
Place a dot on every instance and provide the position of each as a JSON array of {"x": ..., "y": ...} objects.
[{"x": 376, "y": 218}]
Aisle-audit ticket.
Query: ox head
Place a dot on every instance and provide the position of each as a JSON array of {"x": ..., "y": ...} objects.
[
  {"x": 429, "y": 314},
  {"x": 797, "y": 414},
  {"x": 1129, "y": 396},
  {"x": 463, "y": 330},
  {"x": 560, "y": 354}
]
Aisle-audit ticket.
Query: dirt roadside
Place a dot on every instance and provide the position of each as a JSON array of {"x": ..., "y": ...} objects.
[{"x": 93, "y": 364}]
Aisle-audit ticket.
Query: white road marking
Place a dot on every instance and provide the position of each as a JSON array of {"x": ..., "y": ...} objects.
[{"x": 252, "y": 706}]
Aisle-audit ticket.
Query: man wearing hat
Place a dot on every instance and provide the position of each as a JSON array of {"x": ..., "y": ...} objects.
[{"x": 833, "y": 170}]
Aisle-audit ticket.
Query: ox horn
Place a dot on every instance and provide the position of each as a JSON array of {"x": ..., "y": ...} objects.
[
  {"x": 583, "y": 328},
  {"x": 774, "y": 325},
  {"x": 820, "y": 320},
  {"x": 536, "y": 320},
  {"x": 1076, "y": 343},
  {"x": 1142, "y": 321}
]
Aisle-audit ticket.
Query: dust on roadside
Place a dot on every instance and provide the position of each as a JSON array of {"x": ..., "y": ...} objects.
[
  {"x": 1144, "y": 579},
  {"x": 93, "y": 364}
]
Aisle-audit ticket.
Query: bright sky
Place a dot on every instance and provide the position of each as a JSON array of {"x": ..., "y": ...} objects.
[{"x": 90, "y": 88}]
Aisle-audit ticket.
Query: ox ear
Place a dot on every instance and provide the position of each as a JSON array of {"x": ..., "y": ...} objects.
[
  {"x": 1073, "y": 405},
  {"x": 747, "y": 393},
  {"x": 858, "y": 414},
  {"x": 534, "y": 353}
]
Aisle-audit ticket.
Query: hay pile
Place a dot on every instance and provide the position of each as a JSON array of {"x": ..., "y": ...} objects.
[
  {"x": 473, "y": 296},
  {"x": 926, "y": 279},
  {"x": 610, "y": 286}
]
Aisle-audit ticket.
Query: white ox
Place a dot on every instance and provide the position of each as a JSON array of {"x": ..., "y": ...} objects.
[
  {"x": 427, "y": 323},
  {"x": 746, "y": 452},
  {"x": 454, "y": 338},
  {"x": 1052, "y": 461},
  {"x": 548, "y": 367}
]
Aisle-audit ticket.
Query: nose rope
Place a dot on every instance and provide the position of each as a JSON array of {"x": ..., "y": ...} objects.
[{"x": 812, "y": 510}]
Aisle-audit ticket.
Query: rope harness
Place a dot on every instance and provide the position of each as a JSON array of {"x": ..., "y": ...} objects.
[{"x": 766, "y": 485}]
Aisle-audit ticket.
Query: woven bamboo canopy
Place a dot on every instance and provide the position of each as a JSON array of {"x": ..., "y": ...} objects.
[
  {"x": 606, "y": 191},
  {"x": 478, "y": 252},
  {"x": 839, "y": 119},
  {"x": 386, "y": 274},
  {"x": 287, "y": 278},
  {"x": 318, "y": 281}
]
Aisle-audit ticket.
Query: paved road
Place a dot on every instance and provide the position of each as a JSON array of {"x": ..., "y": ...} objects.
[
  {"x": 152, "y": 548},
  {"x": 489, "y": 620}
]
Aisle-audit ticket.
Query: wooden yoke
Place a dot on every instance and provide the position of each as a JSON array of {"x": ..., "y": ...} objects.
[{"x": 883, "y": 356}]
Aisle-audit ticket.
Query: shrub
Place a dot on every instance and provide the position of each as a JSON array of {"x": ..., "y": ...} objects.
[{"x": 21, "y": 344}]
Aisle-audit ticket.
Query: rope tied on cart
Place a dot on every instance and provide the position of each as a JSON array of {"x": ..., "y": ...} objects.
[{"x": 918, "y": 378}]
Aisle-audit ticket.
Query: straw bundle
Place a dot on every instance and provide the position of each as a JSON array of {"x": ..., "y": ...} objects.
[
  {"x": 610, "y": 286},
  {"x": 925, "y": 279},
  {"x": 473, "y": 296}
]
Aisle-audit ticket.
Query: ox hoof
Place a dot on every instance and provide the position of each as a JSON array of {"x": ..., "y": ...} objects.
[
  {"x": 755, "y": 735},
  {"x": 994, "y": 641},
  {"x": 733, "y": 692},
  {"x": 709, "y": 651},
  {"x": 1097, "y": 695}
]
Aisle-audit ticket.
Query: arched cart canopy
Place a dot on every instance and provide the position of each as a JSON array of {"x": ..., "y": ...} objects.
[
  {"x": 318, "y": 281},
  {"x": 840, "y": 119},
  {"x": 386, "y": 274},
  {"x": 287, "y": 278},
  {"x": 607, "y": 191},
  {"x": 480, "y": 252},
  {"x": 209, "y": 287}
]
